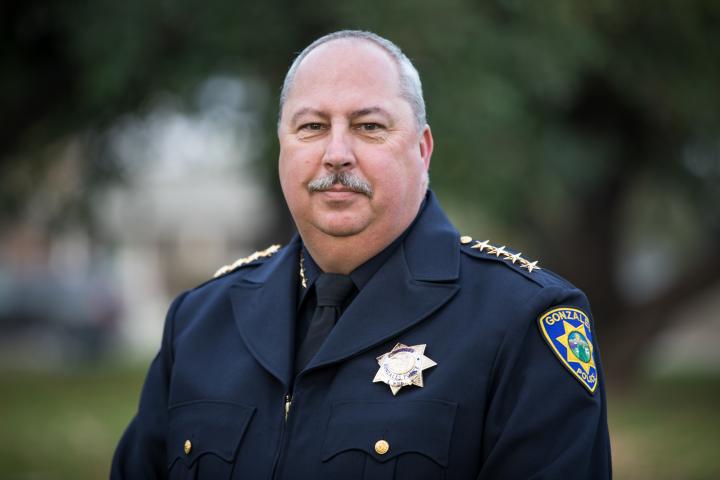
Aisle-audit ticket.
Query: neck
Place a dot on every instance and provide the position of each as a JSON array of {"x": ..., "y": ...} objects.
[{"x": 342, "y": 254}]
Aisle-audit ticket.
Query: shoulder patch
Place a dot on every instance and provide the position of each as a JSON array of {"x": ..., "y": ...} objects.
[
  {"x": 245, "y": 260},
  {"x": 567, "y": 331},
  {"x": 501, "y": 253}
]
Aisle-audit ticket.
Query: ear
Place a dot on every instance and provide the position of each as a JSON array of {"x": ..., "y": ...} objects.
[{"x": 426, "y": 146}]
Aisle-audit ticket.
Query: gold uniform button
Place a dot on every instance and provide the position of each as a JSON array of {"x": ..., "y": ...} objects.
[
  {"x": 382, "y": 447},
  {"x": 465, "y": 239},
  {"x": 187, "y": 447}
]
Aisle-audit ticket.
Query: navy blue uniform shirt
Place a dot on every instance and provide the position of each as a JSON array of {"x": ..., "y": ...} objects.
[{"x": 503, "y": 401}]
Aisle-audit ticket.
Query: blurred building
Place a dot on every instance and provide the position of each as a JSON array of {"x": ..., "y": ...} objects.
[
  {"x": 192, "y": 203},
  {"x": 189, "y": 204}
]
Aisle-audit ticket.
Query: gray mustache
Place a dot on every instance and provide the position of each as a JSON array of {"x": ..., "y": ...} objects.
[{"x": 346, "y": 179}]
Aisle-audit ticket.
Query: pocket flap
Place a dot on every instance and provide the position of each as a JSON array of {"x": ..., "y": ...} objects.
[
  {"x": 419, "y": 426},
  {"x": 201, "y": 427}
]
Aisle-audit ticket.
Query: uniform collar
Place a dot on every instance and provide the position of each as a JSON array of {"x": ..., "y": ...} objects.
[
  {"x": 417, "y": 278},
  {"x": 432, "y": 247}
]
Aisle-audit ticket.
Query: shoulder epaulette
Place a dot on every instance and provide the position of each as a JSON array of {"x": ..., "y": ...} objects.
[
  {"x": 500, "y": 253},
  {"x": 245, "y": 260}
]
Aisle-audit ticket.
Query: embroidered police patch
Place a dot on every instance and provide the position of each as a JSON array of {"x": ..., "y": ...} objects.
[{"x": 567, "y": 331}]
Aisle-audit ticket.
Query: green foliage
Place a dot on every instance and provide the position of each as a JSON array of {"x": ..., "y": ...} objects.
[
  {"x": 513, "y": 87},
  {"x": 561, "y": 124}
]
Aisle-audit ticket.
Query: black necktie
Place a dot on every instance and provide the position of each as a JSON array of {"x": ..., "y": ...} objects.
[{"x": 332, "y": 291}]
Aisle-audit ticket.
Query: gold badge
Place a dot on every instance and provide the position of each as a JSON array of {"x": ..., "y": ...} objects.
[{"x": 403, "y": 366}]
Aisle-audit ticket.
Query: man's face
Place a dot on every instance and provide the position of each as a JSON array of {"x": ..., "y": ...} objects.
[{"x": 344, "y": 114}]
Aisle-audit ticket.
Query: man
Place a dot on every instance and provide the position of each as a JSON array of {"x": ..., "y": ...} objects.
[{"x": 379, "y": 343}]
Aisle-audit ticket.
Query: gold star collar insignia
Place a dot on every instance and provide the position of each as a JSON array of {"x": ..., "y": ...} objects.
[
  {"x": 403, "y": 366},
  {"x": 489, "y": 249}
]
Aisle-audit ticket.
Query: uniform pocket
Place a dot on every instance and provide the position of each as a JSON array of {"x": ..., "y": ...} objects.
[
  {"x": 203, "y": 438},
  {"x": 396, "y": 439}
]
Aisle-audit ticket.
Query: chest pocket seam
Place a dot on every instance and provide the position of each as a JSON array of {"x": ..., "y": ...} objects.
[
  {"x": 416, "y": 426},
  {"x": 210, "y": 426}
]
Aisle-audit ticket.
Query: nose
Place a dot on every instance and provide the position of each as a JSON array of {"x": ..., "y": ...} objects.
[{"x": 338, "y": 152}]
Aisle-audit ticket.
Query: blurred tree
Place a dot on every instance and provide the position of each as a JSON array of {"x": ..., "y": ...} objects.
[
  {"x": 597, "y": 138},
  {"x": 589, "y": 131}
]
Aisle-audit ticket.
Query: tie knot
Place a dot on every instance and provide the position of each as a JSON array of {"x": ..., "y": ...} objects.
[{"x": 333, "y": 289}]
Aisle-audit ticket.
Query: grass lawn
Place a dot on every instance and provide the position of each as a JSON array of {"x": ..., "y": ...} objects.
[
  {"x": 65, "y": 426},
  {"x": 667, "y": 429}
]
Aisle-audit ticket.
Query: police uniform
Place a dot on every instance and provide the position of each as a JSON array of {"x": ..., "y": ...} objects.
[{"x": 457, "y": 360}]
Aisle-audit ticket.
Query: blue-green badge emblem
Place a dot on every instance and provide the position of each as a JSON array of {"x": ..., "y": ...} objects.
[{"x": 567, "y": 331}]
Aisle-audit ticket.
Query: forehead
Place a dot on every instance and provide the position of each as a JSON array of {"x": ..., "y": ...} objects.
[{"x": 345, "y": 68}]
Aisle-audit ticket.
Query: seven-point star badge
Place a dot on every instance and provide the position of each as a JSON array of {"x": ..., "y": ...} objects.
[{"x": 403, "y": 366}]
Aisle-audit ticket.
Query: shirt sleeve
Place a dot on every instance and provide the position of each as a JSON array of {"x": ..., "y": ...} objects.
[{"x": 543, "y": 422}]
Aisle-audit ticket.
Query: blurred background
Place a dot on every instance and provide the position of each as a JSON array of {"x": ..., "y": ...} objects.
[{"x": 138, "y": 155}]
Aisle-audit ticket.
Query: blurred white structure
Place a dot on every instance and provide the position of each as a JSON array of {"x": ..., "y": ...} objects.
[{"x": 192, "y": 203}]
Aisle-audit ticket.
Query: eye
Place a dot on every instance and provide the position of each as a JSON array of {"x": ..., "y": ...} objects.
[
  {"x": 370, "y": 127},
  {"x": 312, "y": 126}
]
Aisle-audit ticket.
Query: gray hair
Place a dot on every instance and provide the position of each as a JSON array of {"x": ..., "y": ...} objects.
[{"x": 410, "y": 85}]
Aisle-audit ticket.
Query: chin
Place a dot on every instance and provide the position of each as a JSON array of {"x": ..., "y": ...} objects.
[
  {"x": 341, "y": 227},
  {"x": 342, "y": 231}
]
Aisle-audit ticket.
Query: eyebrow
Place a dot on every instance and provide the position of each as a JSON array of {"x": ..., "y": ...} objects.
[
  {"x": 369, "y": 111},
  {"x": 357, "y": 113},
  {"x": 305, "y": 111}
]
